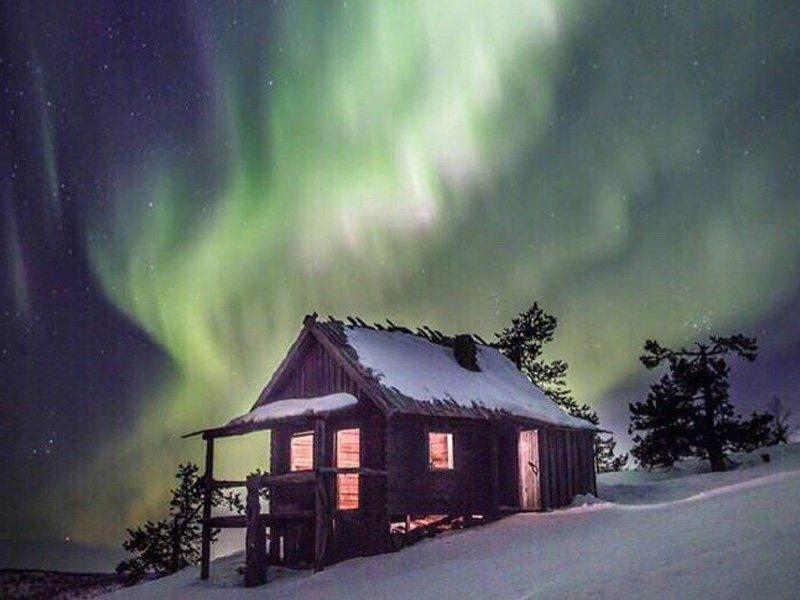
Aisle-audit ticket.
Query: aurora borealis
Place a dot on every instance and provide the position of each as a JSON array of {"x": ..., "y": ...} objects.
[{"x": 182, "y": 181}]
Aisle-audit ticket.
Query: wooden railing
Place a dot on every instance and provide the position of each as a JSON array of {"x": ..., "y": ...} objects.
[{"x": 255, "y": 523}]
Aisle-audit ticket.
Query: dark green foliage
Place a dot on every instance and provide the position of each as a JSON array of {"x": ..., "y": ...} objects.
[
  {"x": 667, "y": 416},
  {"x": 688, "y": 413},
  {"x": 752, "y": 433},
  {"x": 605, "y": 458},
  {"x": 523, "y": 343},
  {"x": 782, "y": 430},
  {"x": 172, "y": 543}
]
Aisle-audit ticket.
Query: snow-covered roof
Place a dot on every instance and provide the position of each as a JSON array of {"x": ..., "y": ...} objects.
[
  {"x": 413, "y": 369},
  {"x": 294, "y": 407}
]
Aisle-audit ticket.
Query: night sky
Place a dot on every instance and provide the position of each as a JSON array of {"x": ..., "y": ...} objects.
[{"x": 182, "y": 181}]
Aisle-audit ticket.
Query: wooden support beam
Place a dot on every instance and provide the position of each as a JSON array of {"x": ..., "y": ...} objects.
[
  {"x": 205, "y": 552},
  {"x": 256, "y": 538},
  {"x": 354, "y": 471},
  {"x": 269, "y": 480},
  {"x": 267, "y": 519},
  {"x": 220, "y": 484},
  {"x": 322, "y": 500}
]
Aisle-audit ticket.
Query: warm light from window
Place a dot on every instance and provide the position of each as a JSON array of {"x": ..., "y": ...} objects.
[
  {"x": 348, "y": 455},
  {"x": 301, "y": 454},
  {"x": 440, "y": 451}
]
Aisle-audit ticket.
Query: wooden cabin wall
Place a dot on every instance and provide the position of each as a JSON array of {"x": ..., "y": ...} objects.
[
  {"x": 508, "y": 465},
  {"x": 567, "y": 465},
  {"x": 416, "y": 489},
  {"x": 315, "y": 373},
  {"x": 356, "y": 533}
]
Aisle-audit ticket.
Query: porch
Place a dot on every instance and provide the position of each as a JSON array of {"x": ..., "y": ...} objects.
[{"x": 334, "y": 518}]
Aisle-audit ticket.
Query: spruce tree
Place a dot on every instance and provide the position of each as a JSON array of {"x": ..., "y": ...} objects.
[
  {"x": 172, "y": 543},
  {"x": 522, "y": 342},
  {"x": 688, "y": 412}
]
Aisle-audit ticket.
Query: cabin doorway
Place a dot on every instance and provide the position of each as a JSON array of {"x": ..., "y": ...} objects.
[{"x": 530, "y": 489}]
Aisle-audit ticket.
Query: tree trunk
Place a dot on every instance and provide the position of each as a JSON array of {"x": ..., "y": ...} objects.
[
  {"x": 713, "y": 447},
  {"x": 716, "y": 456},
  {"x": 176, "y": 547}
]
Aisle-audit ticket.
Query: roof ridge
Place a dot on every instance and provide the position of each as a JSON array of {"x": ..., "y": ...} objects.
[{"x": 433, "y": 336}]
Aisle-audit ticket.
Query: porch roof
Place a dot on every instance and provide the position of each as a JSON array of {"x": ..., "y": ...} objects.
[{"x": 264, "y": 416}]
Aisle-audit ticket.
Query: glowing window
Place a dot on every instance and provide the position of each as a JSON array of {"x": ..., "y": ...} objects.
[
  {"x": 348, "y": 451},
  {"x": 301, "y": 451},
  {"x": 440, "y": 451}
]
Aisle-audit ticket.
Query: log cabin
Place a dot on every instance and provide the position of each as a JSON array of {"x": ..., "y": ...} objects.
[{"x": 376, "y": 430}]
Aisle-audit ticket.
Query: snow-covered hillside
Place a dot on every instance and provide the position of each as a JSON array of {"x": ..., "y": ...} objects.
[{"x": 682, "y": 534}]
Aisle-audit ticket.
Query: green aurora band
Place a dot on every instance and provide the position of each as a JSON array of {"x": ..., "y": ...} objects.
[{"x": 444, "y": 163}]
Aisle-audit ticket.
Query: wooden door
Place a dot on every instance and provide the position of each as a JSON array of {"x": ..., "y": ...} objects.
[{"x": 530, "y": 491}]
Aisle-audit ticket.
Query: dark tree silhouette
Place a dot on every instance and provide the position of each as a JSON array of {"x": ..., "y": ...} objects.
[
  {"x": 523, "y": 343},
  {"x": 606, "y": 459},
  {"x": 782, "y": 429},
  {"x": 166, "y": 546},
  {"x": 688, "y": 412}
]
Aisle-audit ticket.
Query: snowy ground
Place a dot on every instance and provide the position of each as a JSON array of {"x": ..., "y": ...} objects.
[{"x": 682, "y": 534}]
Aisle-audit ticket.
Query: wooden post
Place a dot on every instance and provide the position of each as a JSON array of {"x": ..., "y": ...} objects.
[
  {"x": 208, "y": 479},
  {"x": 322, "y": 504},
  {"x": 256, "y": 539}
]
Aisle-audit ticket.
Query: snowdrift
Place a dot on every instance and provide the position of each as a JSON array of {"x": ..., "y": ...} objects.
[{"x": 670, "y": 534}]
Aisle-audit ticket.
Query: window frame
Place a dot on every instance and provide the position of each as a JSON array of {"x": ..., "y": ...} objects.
[
  {"x": 299, "y": 434},
  {"x": 349, "y": 476},
  {"x": 451, "y": 454}
]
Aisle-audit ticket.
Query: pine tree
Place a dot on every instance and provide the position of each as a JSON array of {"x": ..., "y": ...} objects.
[
  {"x": 667, "y": 416},
  {"x": 523, "y": 343},
  {"x": 688, "y": 412},
  {"x": 166, "y": 546}
]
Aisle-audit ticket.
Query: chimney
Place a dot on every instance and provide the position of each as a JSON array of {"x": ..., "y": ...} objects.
[{"x": 466, "y": 352}]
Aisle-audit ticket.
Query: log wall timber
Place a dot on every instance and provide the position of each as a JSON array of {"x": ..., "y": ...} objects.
[
  {"x": 414, "y": 488},
  {"x": 567, "y": 463},
  {"x": 314, "y": 372},
  {"x": 508, "y": 462},
  {"x": 494, "y": 470}
]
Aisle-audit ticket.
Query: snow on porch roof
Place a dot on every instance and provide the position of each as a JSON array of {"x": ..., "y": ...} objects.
[
  {"x": 420, "y": 375},
  {"x": 261, "y": 417},
  {"x": 294, "y": 407}
]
